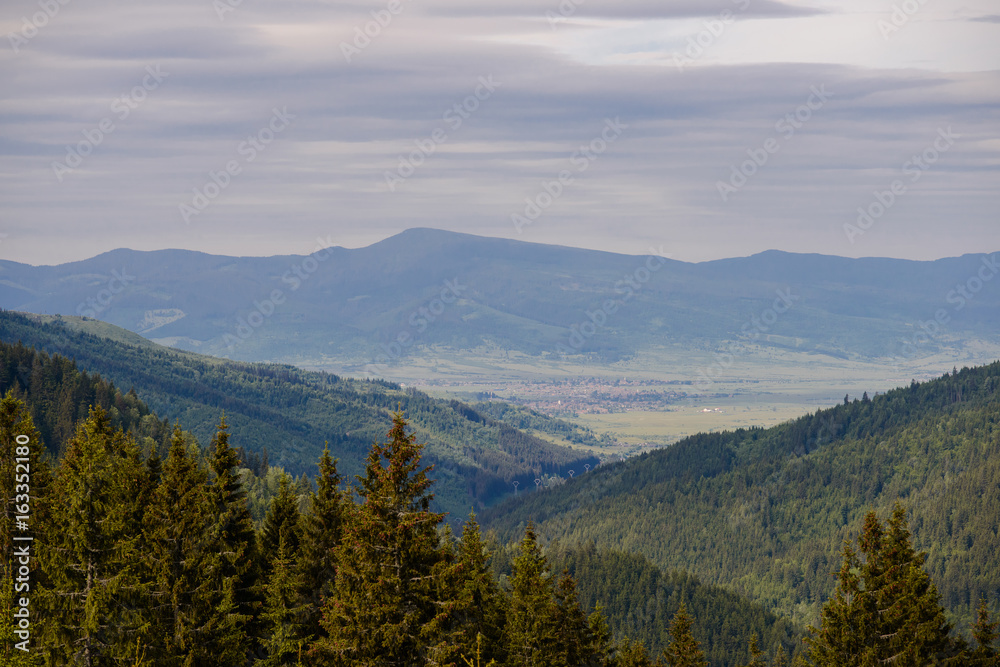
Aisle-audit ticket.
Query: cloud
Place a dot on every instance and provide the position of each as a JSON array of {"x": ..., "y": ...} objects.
[{"x": 354, "y": 122}]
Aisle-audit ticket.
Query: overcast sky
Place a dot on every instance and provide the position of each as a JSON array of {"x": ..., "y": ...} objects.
[{"x": 115, "y": 115}]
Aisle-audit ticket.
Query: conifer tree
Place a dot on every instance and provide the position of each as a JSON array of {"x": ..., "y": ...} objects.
[
  {"x": 195, "y": 622},
  {"x": 683, "y": 650},
  {"x": 90, "y": 556},
  {"x": 632, "y": 654},
  {"x": 281, "y": 524},
  {"x": 756, "y": 655},
  {"x": 886, "y": 608},
  {"x": 284, "y": 615},
  {"x": 780, "y": 659},
  {"x": 471, "y": 610},
  {"x": 573, "y": 641},
  {"x": 235, "y": 563},
  {"x": 385, "y": 586},
  {"x": 531, "y": 628},
  {"x": 985, "y": 633},
  {"x": 602, "y": 649},
  {"x": 322, "y": 527},
  {"x": 16, "y": 485},
  {"x": 24, "y": 479}
]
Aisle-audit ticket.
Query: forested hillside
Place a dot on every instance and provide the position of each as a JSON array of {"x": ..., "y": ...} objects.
[
  {"x": 764, "y": 512},
  {"x": 291, "y": 413}
]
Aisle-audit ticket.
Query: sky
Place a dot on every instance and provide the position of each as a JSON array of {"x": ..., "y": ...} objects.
[{"x": 700, "y": 128}]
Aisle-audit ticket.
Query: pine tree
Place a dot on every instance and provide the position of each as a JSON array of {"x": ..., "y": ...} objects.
[
  {"x": 531, "y": 630},
  {"x": 780, "y": 659},
  {"x": 232, "y": 550},
  {"x": 90, "y": 555},
  {"x": 281, "y": 524},
  {"x": 574, "y": 643},
  {"x": 885, "y": 608},
  {"x": 322, "y": 527},
  {"x": 632, "y": 654},
  {"x": 985, "y": 633},
  {"x": 284, "y": 616},
  {"x": 194, "y": 620},
  {"x": 602, "y": 649},
  {"x": 471, "y": 611},
  {"x": 683, "y": 650},
  {"x": 385, "y": 586},
  {"x": 756, "y": 655}
]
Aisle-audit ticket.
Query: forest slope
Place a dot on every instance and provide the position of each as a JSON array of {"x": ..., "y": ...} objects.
[
  {"x": 292, "y": 412},
  {"x": 764, "y": 512}
]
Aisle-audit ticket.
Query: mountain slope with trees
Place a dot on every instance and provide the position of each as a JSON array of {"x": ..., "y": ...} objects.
[
  {"x": 286, "y": 412},
  {"x": 763, "y": 512}
]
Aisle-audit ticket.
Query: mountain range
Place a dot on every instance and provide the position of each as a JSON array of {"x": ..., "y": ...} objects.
[{"x": 360, "y": 311}]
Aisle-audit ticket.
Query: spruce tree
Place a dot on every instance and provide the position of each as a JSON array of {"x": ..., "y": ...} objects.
[
  {"x": 195, "y": 620},
  {"x": 385, "y": 587},
  {"x": 632, "y": 654},
  {"x": 322, "y": 527},
  {"x": 284, "y": 617},
  {"x": 683, "y": 650},
  {"x": 232, "y": 550},
  {"x": 90, "y": 556},
  {"x": 281, "y": 524},
  {"x": 756, "y": 655},
  {"x": 886, "y": 608},
  {"x": 985, "y": 633},
  {"x": 531, "y": 629},
  {"x": 24, "y": 480},
  {"x": 471, "y": 610}
]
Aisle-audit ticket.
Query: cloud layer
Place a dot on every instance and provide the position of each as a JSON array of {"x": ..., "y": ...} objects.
[{"x": 251, "y": 127}]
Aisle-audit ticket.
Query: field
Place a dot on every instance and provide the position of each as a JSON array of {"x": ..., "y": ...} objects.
[{"x": 669, "y": 393}]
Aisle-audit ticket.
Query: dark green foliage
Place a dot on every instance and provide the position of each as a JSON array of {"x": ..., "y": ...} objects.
[
  {"x": 322, "y": 528},
  {"x": 472, "y": 609},
  {"x": 236, "y": 563},
  {"x": 284, "y": 618},
  {"x": 639, "y": 600},
  {"x": 90, "y": 553},
  {"x": 984, "y": 633},
  {"x": 684, "y": 650},
  {"x": 476, "y": 456},
  {"x": 281, "y": 525},
  {"x": 384, "y": 590},
  {"x": 531, "y": 628},
  {"x": 764, "y": 511},
  {"x": 59, "y": 397},
  {"x": 886, "y": 608}
]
